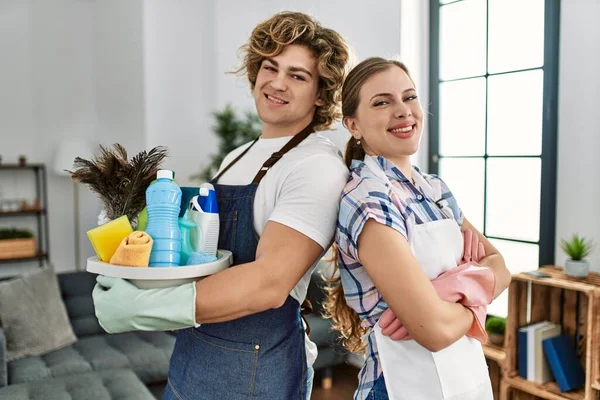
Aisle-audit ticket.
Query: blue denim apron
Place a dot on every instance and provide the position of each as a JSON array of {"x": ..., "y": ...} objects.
[{"x": 259, "y": 356}]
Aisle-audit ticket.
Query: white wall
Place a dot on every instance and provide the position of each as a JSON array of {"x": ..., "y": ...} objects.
[
  {"x": 179, "y": 82},
  {"x": 578, "y": 190},
  {"x": 64, "y": 107},
  {"x": 16, "y": 96},
  {"x": 47, "y": 96},
  {"x": 16, "y": 104},
  {"x": 87, "y": 61},
  {"x": 72, "y": 69},
  {"x": 118, "y": 72}
]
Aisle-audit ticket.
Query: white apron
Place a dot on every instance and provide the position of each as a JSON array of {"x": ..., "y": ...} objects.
[{"x": 411, "y": 372}]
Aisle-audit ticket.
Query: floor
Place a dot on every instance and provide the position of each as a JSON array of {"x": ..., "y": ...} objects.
[{"x": 344, "y": 384}]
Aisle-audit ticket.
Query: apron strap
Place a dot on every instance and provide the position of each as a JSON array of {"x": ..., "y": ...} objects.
[
  {"x": 216, "y": 178},
  {"x": 294, "y": 141},
  {"x": 306, "y": 307}
]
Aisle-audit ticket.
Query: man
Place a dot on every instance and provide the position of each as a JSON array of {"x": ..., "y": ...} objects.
[{"x": 241, "y": 332}]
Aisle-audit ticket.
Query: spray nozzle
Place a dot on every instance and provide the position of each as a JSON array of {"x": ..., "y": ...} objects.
[{"x": 206, "y": 200}]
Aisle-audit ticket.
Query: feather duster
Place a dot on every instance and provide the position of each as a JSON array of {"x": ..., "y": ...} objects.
[{"x": 119, "y": 182}]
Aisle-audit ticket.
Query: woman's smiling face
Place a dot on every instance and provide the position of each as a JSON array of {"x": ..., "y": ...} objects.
[{"x": 389, "y": 117}]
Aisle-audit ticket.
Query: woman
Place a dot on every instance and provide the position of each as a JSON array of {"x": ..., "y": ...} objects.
[{"x": 399, "y": 229}]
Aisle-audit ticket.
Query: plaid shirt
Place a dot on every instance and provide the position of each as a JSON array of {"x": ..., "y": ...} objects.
[{"x": 369, "y": 196}]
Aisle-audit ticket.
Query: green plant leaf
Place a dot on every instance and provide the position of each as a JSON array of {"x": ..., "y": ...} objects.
[
  {"x": 495, "y": 325},
  {"x": 577, "y": 248},
  {"x": 232, "y": 131},
  {"x": 13, "y": 233}
]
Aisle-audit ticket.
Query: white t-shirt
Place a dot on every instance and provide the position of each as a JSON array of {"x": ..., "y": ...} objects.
[{"x": 301, "y": 191}]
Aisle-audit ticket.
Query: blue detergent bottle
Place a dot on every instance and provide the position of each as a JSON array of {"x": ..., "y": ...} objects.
[
  {"x": 205, "y": 213},
  {"x": 186, "y": 225},
  {"x": 163, "y": 202}
]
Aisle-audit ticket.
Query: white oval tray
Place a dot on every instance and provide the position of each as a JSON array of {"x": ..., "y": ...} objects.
[{"x": 155, "y": 277}]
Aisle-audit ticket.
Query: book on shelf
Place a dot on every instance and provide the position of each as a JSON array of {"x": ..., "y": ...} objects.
[
  {"x": 532, "y": 362},
  {"x": 564, "y": 362},
  {"x": 523, "y": 348}
]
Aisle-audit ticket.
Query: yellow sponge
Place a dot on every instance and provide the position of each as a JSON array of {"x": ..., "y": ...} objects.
[{"x": 106, "y": 238}]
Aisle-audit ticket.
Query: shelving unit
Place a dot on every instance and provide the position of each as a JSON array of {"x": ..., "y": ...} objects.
[
  {"x": 41, "y": 215},
  {"x": 596, "y": 352},
  {"x": 548, "y": 390},
  {"x": 40, "y": 257},
  {"x": 494, "y": 353},
  {"x": 572, "y": 303},
  {"x": 496, "y": 357},
  {"x": 19, "y": 213}
]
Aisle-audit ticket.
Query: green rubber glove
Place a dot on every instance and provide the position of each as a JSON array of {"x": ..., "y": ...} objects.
[{"x": 122, "y": 307}]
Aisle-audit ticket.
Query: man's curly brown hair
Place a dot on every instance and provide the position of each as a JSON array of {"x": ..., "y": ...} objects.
[{"x": 270, "y": 37}]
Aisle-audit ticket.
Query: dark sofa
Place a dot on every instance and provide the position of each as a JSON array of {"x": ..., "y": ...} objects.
[{"x": 97, "y": 366}]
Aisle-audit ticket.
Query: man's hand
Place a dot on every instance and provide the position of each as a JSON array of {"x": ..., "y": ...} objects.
[{"x": 122, "y": 307}]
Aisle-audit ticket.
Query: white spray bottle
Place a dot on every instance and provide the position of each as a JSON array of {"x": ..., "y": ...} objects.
[{"x": 204, "y": 212}]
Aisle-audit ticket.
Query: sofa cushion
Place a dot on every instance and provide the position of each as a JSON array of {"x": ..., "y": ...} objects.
[
  {"x": 33, "y": 315},
  {"x": 102, "y": 385},
  {"x": 76, "y": 289},
  {"x": 146, "y": 353},
  {"x": 328, "y": 357}
]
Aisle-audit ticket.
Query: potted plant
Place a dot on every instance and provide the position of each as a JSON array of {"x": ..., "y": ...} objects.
[
  {"x": 577, "y": 249},
  {"x": 16, "y": 243},
  {"x": 495, "y": 327},
  {"x": 232, "y": 130}
]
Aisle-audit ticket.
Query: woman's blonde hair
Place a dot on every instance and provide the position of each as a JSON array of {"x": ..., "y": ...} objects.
[
  {"x": 331, "y": 52},
  {"x": 345, "y": 320}
]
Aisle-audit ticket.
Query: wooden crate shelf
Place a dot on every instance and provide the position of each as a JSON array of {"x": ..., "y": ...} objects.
[
  {"x": 495, "y": 353},
  {"x": 571, "y": 303},
  {"x": 548, "y": 390},
  {"x": 495, "y": 356},
  {"x": 596, "y": 351},
  {"x": 590, "y": 284}
]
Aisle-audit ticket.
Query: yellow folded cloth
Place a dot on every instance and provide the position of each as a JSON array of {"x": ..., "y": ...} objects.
[{"x": 134, "y": 250}]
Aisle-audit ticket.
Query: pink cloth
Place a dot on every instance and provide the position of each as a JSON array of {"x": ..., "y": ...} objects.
[{"x": 470, "y": 285}]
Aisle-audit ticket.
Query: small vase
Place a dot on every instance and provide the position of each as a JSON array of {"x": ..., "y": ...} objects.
[{"x": 577, "y": 269}]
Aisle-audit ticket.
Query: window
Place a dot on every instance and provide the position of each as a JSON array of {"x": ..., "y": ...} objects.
[{"x": 492, "y": 129}]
